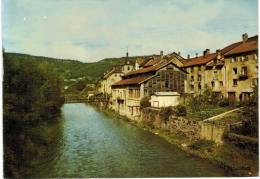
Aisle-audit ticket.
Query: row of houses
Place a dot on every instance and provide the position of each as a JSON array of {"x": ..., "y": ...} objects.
[{"x": 231, "y": 72}]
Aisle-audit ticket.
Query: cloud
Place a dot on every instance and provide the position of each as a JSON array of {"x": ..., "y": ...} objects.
[{"x": 91, "y": 30}]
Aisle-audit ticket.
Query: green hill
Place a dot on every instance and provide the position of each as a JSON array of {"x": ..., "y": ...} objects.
[{"x": 72, "y": 69}]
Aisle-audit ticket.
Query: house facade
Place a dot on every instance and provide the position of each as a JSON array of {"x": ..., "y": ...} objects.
[
  {"x": 157, "y": 75},
  {"x": 115, "y": 75},
  {"x": 230, "y": 72}
]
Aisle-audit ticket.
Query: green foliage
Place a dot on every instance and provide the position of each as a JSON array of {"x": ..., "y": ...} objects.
[
  {"x": 32, "y": 93},
  {"x": 180, "y": 110},
  {"x": 145, "y": 102},
  {"x": 199, "y": 102},
  {"x": 202, "y": 144},
  {"x": 223, "y": 102},
  {"x": 165, "y": 113},
  {"x": 250, "y": 116},
  {"x": 72, "y": 69}
]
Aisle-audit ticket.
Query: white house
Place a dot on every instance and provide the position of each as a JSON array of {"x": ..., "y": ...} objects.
[{"x": 165, "y": 99}]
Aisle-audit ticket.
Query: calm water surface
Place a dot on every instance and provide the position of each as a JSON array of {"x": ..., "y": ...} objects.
[{"x": 92, "y": 144}]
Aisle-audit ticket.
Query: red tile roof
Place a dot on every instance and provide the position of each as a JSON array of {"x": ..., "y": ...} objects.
[
  {"x": 133, "y": 81},
  {"x": 199, "y": 60},
  {"x": 250, "y": 45},
  {"x": 152, "y": 68},
  {"x": 239, "y": 47}
]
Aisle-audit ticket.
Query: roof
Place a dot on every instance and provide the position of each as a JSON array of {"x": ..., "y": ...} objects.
[
  {"x": 250, "y": 45},
  {"x": 152, "y": 68},
  {"x": 153, "y": 61},
  {"x": 235, "y": 48},
  {"x": 168, "y": 93},
  {"x": 199, "y": 60},
  {"x": 116, "y": 69},
  {"x": 133, "y": 81}
]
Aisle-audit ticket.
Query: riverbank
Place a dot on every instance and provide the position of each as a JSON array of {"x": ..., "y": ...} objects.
[{"x": 235, "y": 161}]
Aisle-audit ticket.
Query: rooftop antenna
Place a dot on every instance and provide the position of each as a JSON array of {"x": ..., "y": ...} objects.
[{"x": 126, "y": 55}]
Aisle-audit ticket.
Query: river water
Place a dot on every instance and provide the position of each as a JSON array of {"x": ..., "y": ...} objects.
[{"x": 92, "y": 144}]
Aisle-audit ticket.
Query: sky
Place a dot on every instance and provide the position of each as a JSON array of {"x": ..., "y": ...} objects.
[{"x": 90, "y": 30}]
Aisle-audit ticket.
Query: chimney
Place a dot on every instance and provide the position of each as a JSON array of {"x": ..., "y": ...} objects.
[
  {"x": 188, "y": 56},
  {"x": 245, "y": 37},
  {"x": 196, "y": 55},
  {"x": 161, "y": 53},
  {"x": 218, "y": 52},
  {"x": 206, "y": 52},
  {"x": 179, "y": 53}
]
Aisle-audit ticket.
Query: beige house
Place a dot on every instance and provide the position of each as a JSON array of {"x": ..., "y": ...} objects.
[
  {"x": 241, "y": 65},
  {"x": 156, "y": 75},
  {"x": 114, "y": 75},
  {"x": 220, "y": 71}
]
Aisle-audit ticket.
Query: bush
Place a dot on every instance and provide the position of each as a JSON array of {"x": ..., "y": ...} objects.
[
  {"x": 223, "y": 103},
  {"x": 165, "y": 113},
  {"x": 145, "y": 102},
  {"x": 180, "y": 110}
]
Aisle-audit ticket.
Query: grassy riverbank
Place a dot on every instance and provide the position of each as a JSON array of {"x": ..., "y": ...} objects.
[{"x": 235, "y": 161}]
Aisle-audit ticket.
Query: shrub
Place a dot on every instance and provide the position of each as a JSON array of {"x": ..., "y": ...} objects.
[
  {"x": 223, "y": 102},
  {"x": 165, "y": 113},
  {"x": 145, "y": 102},
  {"x": 180, "y": 110}
]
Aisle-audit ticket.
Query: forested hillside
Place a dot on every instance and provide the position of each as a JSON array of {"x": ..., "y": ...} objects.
[{"x": 72, "y": 69}]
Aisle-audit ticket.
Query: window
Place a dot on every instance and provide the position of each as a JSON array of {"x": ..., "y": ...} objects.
[
  {"x": 199, "y": 86},
  {"x": 191, "y": 87},
  {"x": 213, "y": 84},
  {"x": 256, "y": 68},
  {"x": 255, "y": 82},
  {"x": 167, "y": 84},
  {"x": 234, "y": 82},
  {"x": 128, "y": 68},
  {"x": 244, "y": 71},
  {"x": 234, "y": 71},
  {"x": 242, "y": 58},
  {"x": 221, "y": 83},
  {"x": 192, "y": 78},
  {"x": 234, "y": 59},
  {"x": 199, "y": 77}
]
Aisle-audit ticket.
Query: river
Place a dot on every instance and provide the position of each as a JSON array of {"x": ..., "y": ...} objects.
[{"x": 93, "y": 144}]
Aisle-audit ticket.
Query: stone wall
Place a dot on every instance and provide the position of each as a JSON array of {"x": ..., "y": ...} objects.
[
  {"x": 151, "y": 117},
  {"x": 211, "y": 131}
]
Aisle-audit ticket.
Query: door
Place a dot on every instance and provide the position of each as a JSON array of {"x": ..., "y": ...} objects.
[{"x": 231, "y": 96}]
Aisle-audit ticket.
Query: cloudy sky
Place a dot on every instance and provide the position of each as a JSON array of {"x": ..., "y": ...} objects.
[{"x": 90, "y": 30}]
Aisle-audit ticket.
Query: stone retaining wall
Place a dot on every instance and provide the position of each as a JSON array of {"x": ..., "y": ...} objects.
[{"x": 151, "y": 117}]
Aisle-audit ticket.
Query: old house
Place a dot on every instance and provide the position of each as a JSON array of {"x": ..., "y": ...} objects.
[
  {"x": 241, "y": 65},
  {"x": 115, "y": 75},
  {"x": 219, "y": 71},
  {"x": 157, "y": 75}
]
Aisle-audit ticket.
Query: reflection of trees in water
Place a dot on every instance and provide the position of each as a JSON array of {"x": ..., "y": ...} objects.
[{"x": 50, "y": 150}]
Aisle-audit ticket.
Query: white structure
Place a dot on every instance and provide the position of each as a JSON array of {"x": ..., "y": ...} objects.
[{"x": 165, "y": 99}]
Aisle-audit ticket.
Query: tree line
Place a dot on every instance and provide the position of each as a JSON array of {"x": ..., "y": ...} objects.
[{"x": 32, "y": 93}]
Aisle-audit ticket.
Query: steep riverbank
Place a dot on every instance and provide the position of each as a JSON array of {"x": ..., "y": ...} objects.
[{"x": 227, "y": 156}]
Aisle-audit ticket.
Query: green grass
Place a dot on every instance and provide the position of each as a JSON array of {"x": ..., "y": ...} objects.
[{"x": 207, "y": 112}]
